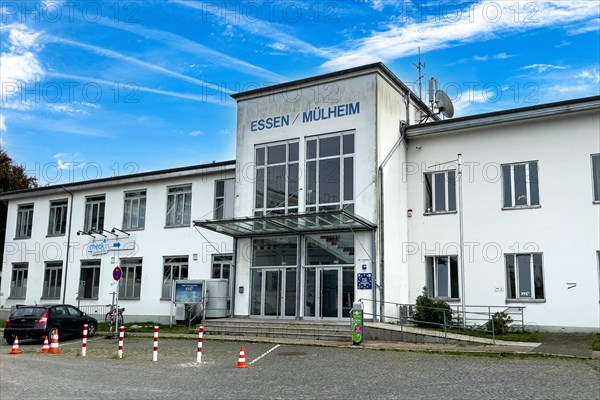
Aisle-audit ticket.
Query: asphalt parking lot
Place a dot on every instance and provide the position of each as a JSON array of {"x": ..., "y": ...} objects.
[{"x": 282, "y": 371}]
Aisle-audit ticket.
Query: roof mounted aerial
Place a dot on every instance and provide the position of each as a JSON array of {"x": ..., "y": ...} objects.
[{"x": 439, "y": 100}]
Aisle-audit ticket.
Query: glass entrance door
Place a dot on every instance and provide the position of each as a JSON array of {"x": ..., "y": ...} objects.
[
  {"x": 328, "y": 292},
  {"x": 273, "y": 293}
]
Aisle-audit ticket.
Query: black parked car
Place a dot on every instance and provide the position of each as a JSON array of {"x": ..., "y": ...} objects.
[{"x": 36, "y": 322}]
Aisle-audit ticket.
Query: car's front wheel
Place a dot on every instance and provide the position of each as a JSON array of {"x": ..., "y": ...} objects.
[
  {"x": 92, "y": 329},
  {"x": 52, "y": 332}
]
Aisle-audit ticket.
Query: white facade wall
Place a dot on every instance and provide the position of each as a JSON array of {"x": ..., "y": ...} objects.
[
  {"x": 566, "y": 228},
  {"x": 152, "y": 243}
]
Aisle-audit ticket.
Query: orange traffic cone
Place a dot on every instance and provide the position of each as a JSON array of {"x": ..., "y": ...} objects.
[
  {"x": 54, "y": 349},
  {"x": 45, "y": 347},
  {"x": 15, "y": 348},
  {"x": 242, "y": 359}
]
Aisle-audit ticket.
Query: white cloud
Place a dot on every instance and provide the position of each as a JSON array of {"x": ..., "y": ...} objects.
[
  {"x": 277, "y": 46},
  {"x": 189, "y": 46},
  {"x": 544, "y": 67},
  {"x": 135, "y": 61},
  {"x": 479, "y": 22},
  {"x": 196, "y": 133},
  {"x": 589, "y": 74},
  {"x": 19, "y": 66}
]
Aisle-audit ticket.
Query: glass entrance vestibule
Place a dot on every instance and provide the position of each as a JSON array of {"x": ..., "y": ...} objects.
[{"x": 308, "y": 276}]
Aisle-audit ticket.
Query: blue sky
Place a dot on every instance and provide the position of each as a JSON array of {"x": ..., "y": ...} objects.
[{"x": 95, "y": 89}]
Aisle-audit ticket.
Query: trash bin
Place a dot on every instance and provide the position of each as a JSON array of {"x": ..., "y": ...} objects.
[{"x": 357, "y": 323}]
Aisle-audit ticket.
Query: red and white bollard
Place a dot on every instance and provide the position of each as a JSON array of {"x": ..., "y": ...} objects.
[
  {"x": 200, "y": 335},
  {"x": 84, "y": 340},
  {"x": 121, "y": 336},
  {"x": 155, "y": 352}
]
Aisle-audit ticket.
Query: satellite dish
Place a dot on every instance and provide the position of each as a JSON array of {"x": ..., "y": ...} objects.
[{"x": 444, "y": 104}]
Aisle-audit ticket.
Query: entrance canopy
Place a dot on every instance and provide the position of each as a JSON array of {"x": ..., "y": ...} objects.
[{"x": 324, "y": 221}]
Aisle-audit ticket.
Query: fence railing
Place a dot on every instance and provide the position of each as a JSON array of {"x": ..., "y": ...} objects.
[
  {"x": 472, "y": 317},
  {"x": 97, "y": 311}
]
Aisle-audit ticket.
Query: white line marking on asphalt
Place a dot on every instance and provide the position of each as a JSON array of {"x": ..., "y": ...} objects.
[{"x": 256, "y": 359}]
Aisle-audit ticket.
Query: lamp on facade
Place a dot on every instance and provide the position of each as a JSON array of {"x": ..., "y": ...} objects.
[
  {"x": 112, "y": 233},
  {"x": 80, "y": 232},
  {"x": 117, "y": 229}
]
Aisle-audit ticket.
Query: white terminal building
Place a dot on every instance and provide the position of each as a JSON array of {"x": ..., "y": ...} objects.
[{"x": 345, "y": 187}]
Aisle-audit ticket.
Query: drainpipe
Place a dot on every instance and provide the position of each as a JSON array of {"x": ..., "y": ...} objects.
[
  {"x": 233, "y": 274},
  {"x": 68, "y": 246}
]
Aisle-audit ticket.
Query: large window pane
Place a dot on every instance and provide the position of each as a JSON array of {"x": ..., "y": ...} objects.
[
  {"x": 538, "y": 276},
  {"x": 276, "y": 154},
  {"x": 276, "y": 186},
  {"x": 329, "y": 146},
  {"x": 520, "y": 179},
  {"x": 330, "y": 249},
  {"x": 329, "y": 181},
  {"x": 524, "y": 275},
  {"x": 507, "y": 186},
  {"x": 442, "y": 276},
  {"x": 534, "y": 193},
  {"x": 440, "y": 191},
  {"x": 274, "y": 252},
  {"x": 596, "y": 176}
]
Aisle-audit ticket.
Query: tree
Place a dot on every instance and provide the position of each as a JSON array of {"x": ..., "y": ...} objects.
[{"x": 12, "y": 177}]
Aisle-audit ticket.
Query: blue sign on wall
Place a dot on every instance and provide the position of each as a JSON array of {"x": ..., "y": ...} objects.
[
  {"x": 364, "y": 281},
  {"x": 189, "y": 291}
]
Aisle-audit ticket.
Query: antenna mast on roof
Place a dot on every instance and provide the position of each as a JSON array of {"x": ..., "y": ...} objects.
[{"x": 418, "y": 67}]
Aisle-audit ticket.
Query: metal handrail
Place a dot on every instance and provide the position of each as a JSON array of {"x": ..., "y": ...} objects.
[{"x": 476, "y": 316}]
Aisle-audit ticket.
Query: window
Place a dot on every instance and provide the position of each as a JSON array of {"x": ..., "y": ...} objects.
[
  {"x": 220, "y": 266},
  {"x": 134, "y": 211},
  {"x": 524, "y": 275},
  {"x": 131, "y": 280},
  {"x": 274, "y": 251},
  {"x": 89, "y": 279},
  {"x": 18, "y": 283},
  {"x": 440, "y": 192},
  {"x": 94, "y": 214},
  {"x": 224, "y": 199},
  {"x": 277, "y": 169},
  {"x": 520, "y": 185},
  {"x": 24, "y": 221},
  {"x": 596, "y": 176},
  {"x": 179, "y": 205},
  {"x": 442, "y": 276},
  {"x": 175, "y": 268},
  {"x": 330, "y": 172},
  {"x": 57, "y": 221},
  {"x": 52, "y": 280}
]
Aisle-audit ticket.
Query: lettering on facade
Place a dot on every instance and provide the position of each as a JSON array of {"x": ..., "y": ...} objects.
[{"x": 315, "y": 115}]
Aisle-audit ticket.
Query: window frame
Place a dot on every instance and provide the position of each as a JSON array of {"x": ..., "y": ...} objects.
[
  {"x": 172, "y": 262},
  {"x": 131, "y": 267},
  {"x": 184, "y": 192},
  {"x": 93, "y": 265},
  {"x": 528, "y": 185},
  {"x": 140, "y": 197},
  {"x": 220, "y": 263},
  {"x": 343, "y": 203},
  {"x": 595, "y": 178},
  {"x": 24, "y": 225},
  {"x": 517, "y": 289},
  {"x": 285, "y": 207},
  {"x": 23, "y": 267},
  {"x": 55, "y": 206},
  {"x": 90, "y": 202},
  {"x": 432, "y": 277},
  {"x": 430, "y": 196},
  {"x": 52, "y": 291}
]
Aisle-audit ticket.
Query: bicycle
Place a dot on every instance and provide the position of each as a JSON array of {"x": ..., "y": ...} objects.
[{"x": 109, "y": 318}]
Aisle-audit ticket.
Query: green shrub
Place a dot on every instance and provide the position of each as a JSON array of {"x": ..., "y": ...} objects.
[
  {"x": 430, "y": 311},
  {"x": 499, "y": 323}
]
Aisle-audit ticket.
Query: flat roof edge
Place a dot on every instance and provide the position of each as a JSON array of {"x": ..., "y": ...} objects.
[
  {"x": 201, "y": 168},
  {"x": 505, "y": 116}
]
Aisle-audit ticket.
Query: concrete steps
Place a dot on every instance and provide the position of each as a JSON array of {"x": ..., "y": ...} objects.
[{"x": 307, "y": 330}]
